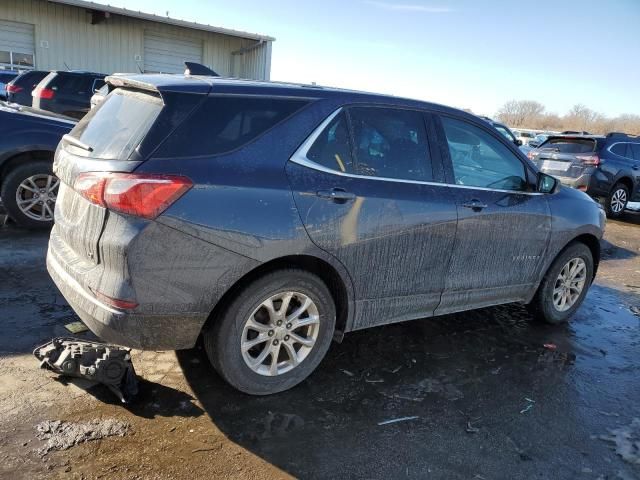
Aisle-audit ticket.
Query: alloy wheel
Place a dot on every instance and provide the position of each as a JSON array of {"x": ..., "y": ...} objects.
[
  {"x": 280, "y": 333},
  {"x": 569, "y": 284},
  {"x": 618, "y": 200},
  {"x": 36, "y": 196}
]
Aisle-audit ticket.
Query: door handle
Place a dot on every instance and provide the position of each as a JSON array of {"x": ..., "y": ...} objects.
[
  {"x": 475, "y": 205},
  {"x": 636, "y": 167},
  {"x": 337, "y": 195}
]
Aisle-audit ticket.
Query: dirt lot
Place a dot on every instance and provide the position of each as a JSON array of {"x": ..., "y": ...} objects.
[{"x": 489, "y": 400}]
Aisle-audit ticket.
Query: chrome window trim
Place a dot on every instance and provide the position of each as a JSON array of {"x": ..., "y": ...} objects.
[
  {"x": 616, "y": 143},
  {"x": 300, "y": 158}
]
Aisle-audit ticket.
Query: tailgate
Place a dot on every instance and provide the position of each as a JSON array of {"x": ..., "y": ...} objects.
[
  {"x": 565, "y": 157},
  {"x": 103, "y": 141}
]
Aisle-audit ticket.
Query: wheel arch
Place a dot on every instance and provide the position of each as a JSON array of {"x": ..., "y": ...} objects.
[
  {"x": 626, "y": 181},
  {"x": 16, "y": 158},
  {"x": 327, "y": 272}
]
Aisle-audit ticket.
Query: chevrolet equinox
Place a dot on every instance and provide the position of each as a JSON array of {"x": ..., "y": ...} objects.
[{"x": 270, "y": 218}]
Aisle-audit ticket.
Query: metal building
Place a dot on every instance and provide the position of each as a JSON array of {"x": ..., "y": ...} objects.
[{"x": 82, "y": 35}]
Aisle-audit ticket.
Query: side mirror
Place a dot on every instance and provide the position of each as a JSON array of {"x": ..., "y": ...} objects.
[
  {"x": 546, "y": 183},
  {"x": 518, "y": 142}
]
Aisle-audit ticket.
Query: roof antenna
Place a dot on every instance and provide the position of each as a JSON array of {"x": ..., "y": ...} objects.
[{"x": 65, "y": 64}]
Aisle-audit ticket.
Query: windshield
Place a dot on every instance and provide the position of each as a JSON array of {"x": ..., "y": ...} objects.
[{"x": 117, "y": 126}]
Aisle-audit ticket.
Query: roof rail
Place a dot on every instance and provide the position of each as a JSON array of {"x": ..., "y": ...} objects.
[{"x": 620, "y": 134}]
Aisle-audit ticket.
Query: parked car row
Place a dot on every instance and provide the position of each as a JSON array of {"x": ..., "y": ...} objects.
[
  {"x": 5, "y": 77},
  {"x": 64, "y": 92},
  {"x": 607, "y": 167},
  {"x": 28, "y": 188}
]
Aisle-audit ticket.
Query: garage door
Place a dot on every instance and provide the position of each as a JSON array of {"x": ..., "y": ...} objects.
[
  {"x": 17, "y": 44},
  {"x": 167, "y": 54}
]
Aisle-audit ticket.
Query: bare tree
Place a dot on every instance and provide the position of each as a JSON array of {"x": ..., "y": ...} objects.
[
  {"x": 519, "y": 113},
  {"x": 531, "y": 114}
]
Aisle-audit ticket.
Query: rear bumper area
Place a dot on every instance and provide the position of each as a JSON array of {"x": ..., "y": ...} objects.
[
  {"x": 582, "y": 182},
  {"x": 143, "y": 331}
]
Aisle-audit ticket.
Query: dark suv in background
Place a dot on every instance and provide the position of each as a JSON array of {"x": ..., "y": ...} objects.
[
  {"x": 605, "y": 167},
  {"x": 270, "y": 218},
  {"x": 67, "y": 92},
  {"x": 19, "y": 89}
]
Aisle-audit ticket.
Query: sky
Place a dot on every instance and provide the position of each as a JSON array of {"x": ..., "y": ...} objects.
[{"x": 474, "y": 54}]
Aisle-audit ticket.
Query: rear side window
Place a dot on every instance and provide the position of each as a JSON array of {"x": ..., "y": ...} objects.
[
  {"x": 29, "y": 80},
  {"x": 332, "y": 148},
  {"x": 635, "y": 148},
  {"x": 225, "y": 123},
  {"x": 621, "y": 149},
  {"x": 570, "y": 145},
  {"x": 390, "y": 143},
  {"x": 118, "y": 125}
]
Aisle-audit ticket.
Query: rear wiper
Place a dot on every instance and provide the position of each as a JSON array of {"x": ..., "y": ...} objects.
[{"x": 77, "y": 143}]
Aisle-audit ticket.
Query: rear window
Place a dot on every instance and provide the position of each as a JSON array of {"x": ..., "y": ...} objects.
[
  {"x": 223, "y": 124},
  {"x": 71, "y": 84},
  {"x": 570, "y": 145},
  {"x": 117, "y": 126},
  {"x": 30, "y": 79}
]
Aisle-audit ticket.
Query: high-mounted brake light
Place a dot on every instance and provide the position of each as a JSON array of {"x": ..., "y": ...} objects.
[
  {"x": 589, "y": 159},
  {"x": 14, "y": 89},
  {"x": 141, "y": 195}
]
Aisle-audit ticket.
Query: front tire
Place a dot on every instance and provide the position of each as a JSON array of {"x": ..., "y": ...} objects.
[
  {"x": 617, "y": 200},
  {"x": 274, "y": 333},
  {"x": 565, "y": 285},
  {"x": 29, "y": 193}
]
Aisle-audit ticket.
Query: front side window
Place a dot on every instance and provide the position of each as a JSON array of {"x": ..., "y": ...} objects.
[
  {"x": 505, "y": 132},
  {"x": 480, "y": 160},
  {"x": 390, "y": 143}
]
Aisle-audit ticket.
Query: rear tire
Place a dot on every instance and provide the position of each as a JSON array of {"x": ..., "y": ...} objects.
[
  {"x": 547, "y": 304},
  {"x": 617, "y": 200},
  {"x": 263, "y": 316},
  {"x": 17, "y": 187}
]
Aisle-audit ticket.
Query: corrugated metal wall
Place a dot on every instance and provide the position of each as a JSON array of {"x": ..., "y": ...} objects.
[{"x": 64, "y": 34}]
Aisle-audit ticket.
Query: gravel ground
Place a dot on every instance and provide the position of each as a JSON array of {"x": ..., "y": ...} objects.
[{"x": 473, "y": 395}]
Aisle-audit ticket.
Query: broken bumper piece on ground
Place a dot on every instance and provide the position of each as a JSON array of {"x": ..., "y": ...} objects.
[{"x": 99, "y": 362}]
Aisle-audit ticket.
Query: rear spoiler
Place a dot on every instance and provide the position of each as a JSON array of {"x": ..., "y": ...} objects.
[{"x": 119, "y": 81}]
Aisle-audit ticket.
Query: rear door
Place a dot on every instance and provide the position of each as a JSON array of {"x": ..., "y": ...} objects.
[
  {"x": 503, "y": 226},
  {"x": 368, "y": 187}
]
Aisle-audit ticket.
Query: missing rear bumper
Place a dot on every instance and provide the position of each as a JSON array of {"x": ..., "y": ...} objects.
[{"x": 99, "y": 362}]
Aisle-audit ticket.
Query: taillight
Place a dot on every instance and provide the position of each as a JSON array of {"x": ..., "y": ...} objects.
[
  {"x": 44, "y": 93},
  {"x": 142, "y": 195},
  {"x": 532, "y": 154},
  {"x": 14, "y": 89},
  {"x": 589, "y": 159}
]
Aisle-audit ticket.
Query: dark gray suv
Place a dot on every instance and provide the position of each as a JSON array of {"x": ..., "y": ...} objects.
[{"x": 270, "y": 218}]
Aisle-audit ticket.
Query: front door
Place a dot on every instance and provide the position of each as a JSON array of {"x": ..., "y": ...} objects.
[
  {"x": 504, "y": 225},
  {"x": 365, "y": 189}
]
